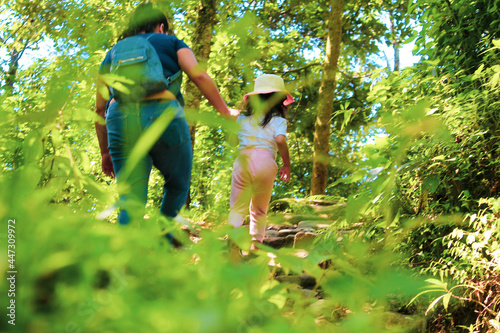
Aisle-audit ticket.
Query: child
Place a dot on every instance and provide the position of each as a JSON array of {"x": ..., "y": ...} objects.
[{"x": 262, "y": 133}]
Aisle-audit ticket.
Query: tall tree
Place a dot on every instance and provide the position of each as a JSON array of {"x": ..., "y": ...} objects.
[
  {"x": 200, "y": 43},
  {"x": 400, "y": 27},
  {"x": 326, "y": 98},
  {"x": 17, "y": 35}
]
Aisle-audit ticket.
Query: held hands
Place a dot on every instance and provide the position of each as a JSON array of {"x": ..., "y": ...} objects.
[
  {"x": 285, "y": 173},
  {"x": 107, "y": 165},
  {"x": 229, "y": 113},
  {"x": 234, "y": 113}
]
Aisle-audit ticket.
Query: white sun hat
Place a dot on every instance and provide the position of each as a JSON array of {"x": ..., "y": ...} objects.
[{"x": 268, "y": 83}]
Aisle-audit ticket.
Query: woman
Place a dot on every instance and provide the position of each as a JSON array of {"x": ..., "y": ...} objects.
[
  {"x": 261, "y": 136},
  {"x": 127, "y": 121}
]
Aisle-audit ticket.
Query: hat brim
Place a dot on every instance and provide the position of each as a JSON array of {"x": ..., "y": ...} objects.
[{"x": 288, "y": 100}]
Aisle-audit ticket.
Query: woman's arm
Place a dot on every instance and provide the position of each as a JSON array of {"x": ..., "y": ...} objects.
[
  {"x": 283, "y": 151},
  {"x": 102, "y": 132},
  {"x": 189, "y": 65}
]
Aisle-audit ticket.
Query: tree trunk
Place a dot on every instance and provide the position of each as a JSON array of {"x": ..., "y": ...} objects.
[
  {"x": 395, "y": 41},
  {"x": 200, "y": 44},
  {"x": 15, "y": 56},
  {"x": 322, "y": 127}
]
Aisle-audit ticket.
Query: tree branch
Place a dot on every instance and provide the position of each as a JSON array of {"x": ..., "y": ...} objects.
[
  {"x": 20, "y": 53},
  {"x": 292, "y": 70}
]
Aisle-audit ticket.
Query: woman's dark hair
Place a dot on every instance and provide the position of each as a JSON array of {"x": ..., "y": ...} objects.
[
  {"x": 145, "y": 18},
  {"x": 272, "y": 102}
]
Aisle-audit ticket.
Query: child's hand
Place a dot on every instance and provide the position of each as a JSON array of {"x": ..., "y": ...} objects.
[{"x": 285, "y": 173}]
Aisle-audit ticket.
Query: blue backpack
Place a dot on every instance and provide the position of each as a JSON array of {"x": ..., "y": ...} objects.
[{"x": 137, "y": 64}]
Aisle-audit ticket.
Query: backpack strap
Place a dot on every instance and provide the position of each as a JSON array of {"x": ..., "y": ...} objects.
[
  {"x": 174, "y": 88},
  {"x": 171, "y": 79},
  {"x": 174, "y": 77}
]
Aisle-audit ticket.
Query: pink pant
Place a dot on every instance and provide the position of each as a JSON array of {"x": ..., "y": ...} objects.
[{"x": 251, "y": 187}]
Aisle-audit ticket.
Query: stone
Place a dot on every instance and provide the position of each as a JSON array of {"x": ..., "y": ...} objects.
[
  {"x": 278, "y": 242},
  {"x": 313, "y": 224},
  {"x": 308, "y": 293},
  {"x": 279, "y": 206},
  {"x": 290, "y": 239},
  {"x": 286, "y": 232},
  {"x": 295, "y": 219},
  {"x": 306, "y": 230},
  {"x": 303, "y": 280},
  {"x": 271, "y": 233},
  {"x": 304, "y": 239},
  {"x": 410, "y": 323},
  {"x": 307, "y": 281}
]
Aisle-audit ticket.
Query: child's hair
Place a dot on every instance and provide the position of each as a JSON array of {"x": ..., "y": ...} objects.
[
  {"x": 272, "y": 102},
  {"x": 145, "y": 18}
]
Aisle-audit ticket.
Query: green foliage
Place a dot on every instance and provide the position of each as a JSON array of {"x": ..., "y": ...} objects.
[
  {"x": 419, "y": 190},
  {"x": 438, "y": 162},
  {"x": 457, "y": 33},
  {"x": 442, "y": 288},
  {"x": 211, "y": 181},
  {"x": 473, "y": 248},
  {"x": 115, "y": 278}
]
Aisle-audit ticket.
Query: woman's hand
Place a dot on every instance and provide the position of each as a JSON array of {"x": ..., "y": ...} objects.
[
  {"x": 107, "y": 165},
  {"x": 207, "y": 86}
]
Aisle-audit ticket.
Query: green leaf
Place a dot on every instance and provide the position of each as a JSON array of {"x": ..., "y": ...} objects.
[
  {"x": 438, "y": 283},
  {"x": 146, "y": 142},
  {"x": 478, "y": 72},
  {"x": 431, "y": 184},
  {"x": 494, "y": 80},
  {"x": 116, "y": 82},
  {"x": 433, "y": 304},
  {"x": 240, "y": 237},
  {"x": 446, "y": 300}
]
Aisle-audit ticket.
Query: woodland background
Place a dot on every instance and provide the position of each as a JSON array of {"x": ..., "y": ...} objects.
[{"x": 409, "y": 157}]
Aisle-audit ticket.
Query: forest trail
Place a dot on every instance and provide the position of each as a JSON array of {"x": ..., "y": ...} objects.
[{"x": 294, "y": 225}]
